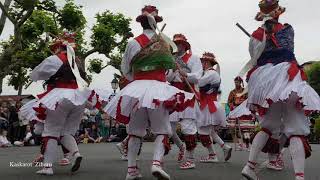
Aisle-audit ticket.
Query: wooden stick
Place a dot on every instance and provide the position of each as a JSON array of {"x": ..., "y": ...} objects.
[
  {"x": 243, "y": 30},
  {"x": 239, "y": 128},
  {"x": 165, "y": 24},
  {"x": 235, "y": 136},
  {"x": 188, "y": 84}
]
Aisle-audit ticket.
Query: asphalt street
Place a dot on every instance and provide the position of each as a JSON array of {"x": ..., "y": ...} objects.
[{"x": 102, "y": 162}]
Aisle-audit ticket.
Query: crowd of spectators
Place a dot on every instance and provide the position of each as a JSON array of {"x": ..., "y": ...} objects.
[
  {"x": 13, "y": 130},
  {"x": 95, "y": 127}
]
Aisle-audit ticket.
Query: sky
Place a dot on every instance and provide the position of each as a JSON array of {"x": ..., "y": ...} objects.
[{"x": 209, "y": 25}]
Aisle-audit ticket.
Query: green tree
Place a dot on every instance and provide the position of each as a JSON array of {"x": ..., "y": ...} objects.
[
  {"x": 110, "y": 36},
  {"x": 313, "y": 74},
  {"x": 18, "y": 12},
  {"x": 42, "y": 22}
]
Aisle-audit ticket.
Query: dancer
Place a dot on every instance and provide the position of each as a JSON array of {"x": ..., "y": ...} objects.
[
  {"x": 211, "y": 114},
  {"x": 123, "y": 145},
  {"x": 189, "y": 71},
  {"x": 240, "y": 127},
  {"x": 148, "y": 99},
  {"x": 62, "y": 105},
  {"x": 277, "y": 89}
]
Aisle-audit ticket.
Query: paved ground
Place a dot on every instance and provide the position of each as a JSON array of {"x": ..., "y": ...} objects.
[{"x": 102, "y": 162}]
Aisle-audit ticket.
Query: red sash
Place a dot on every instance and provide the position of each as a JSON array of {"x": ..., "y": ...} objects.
[
  {"x": 66, "y": 85},
  {"x": 208, "y": 99},
  {"x": 159, "y": 75},
  {"x": 185, "y": 58},
  {"x": 143, "y": 40}
]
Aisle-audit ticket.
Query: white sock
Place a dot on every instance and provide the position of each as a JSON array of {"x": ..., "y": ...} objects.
[
  {"x": 297, "y": 154},
  {"x": 158, "y": 148},
  {"x": 133, "y": 149},
  {"x": 175, "y": 136},
  {"x": 216, "y": 138},
  {"x": 211, "y": 149},
  {"x": 50, "y": 152},
  {"x": 125, "y": 141},
  {"x": 258, "y": 143},
  {"x": 70, "y": 144},
  {"x": 190, "y": 155}
]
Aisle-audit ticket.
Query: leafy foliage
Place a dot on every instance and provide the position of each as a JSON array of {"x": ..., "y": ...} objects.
[
  {"x": 110, "y": 36},
  {"x": 115, "y": 60},
  {"x": 95, "y": 66},
  {"x": 313, "y": 74},
  {"x": 38, "y": 23},
  {"x": 17, "y": 77},
  {"x": 317, "y": 127},
  {"x": 44, "y": 22},
  {"x": 110, "y": 32},
  {"x": 71, "y": 17}
]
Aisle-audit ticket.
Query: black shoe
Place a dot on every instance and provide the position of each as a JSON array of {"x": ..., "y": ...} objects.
[{"x": 76, "y": 165}]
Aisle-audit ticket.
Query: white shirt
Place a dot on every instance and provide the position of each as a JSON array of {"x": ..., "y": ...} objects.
[
  {"x": 209, "y": 77},
  {"x": 133, "y": 48},
  {"x": 46, "y": 68}
]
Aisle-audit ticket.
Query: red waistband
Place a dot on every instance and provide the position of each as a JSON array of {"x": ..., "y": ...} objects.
[
  {"x": 212, "y": 96},
  {"x": 66, "y": 85},
  {"x": 208, "y": 100},
  {"x": 179, "y": 85},
  {"x": 159, "y": 75}
]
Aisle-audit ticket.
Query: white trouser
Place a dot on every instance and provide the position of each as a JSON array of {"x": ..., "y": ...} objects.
[
  {"x": 64, "y": 120},
  {"x": 294, "y": 121},
  {"x": 205, "y": 130},
  {"x": 157, "y": 119},
  {"x": 188, "y": 126}
]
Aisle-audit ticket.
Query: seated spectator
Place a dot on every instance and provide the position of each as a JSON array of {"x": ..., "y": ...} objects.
[
  {"x": 93, "y": 134},
  {"x": 114, "y": 133},
  {"x": 23, "y": 122},
  {"x": 3, "y": 139},
  {"x": 92, "y": 114},
  {"x": 80, "y": 134},
  {"x": 30, "y": 137},
  {"x": 14, "y": 124},
  {"x": 104, "y": 125},
  {"x": 3, "y": 123}
]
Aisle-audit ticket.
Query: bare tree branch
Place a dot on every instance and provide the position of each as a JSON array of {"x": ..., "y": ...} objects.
[
  {"x": 25, "y": 17},
  {"x": 90, "y": 52},
  {"x": 105, "y": 66},
  {"x": 3, "y": 16},
  {"x": 18, "y": 16},
  {"x": 48, "y": 9},
  {"x": 18, "y": 1},
  {"x": 6, "y": 13}
]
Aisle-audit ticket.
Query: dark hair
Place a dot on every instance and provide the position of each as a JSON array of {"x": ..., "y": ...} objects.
[
  {"x": 144, "y": 23},
  {"x": 270, "y": 25},
  {"x": 213, "y": 63}
]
